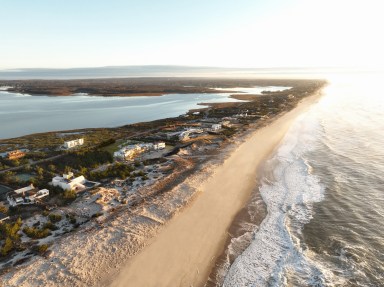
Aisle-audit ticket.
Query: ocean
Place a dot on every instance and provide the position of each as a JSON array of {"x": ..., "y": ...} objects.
[{"x": 323, "y": 189}]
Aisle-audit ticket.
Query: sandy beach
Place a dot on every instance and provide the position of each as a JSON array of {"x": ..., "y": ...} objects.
[{"x": 185, "y": 250}]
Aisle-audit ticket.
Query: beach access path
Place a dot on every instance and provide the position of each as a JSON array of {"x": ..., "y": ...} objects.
[{"x": 185, "y": 250}]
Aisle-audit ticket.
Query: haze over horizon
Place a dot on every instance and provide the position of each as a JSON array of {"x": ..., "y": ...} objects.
[{"x": 233, "y": 34}]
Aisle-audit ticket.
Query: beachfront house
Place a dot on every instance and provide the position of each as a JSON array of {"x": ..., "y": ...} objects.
[
  {"x": 185, "y": 134},
  {"x": 16, "y": 154},
  {"x": 69, "y": 182},
  {"x": 131, "y": 151},
  {"x": 73, "y": 143},
  {"x": 26, "y": 195}
]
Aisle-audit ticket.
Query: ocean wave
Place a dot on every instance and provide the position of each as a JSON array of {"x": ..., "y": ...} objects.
[{"x": 277, "y": 256}]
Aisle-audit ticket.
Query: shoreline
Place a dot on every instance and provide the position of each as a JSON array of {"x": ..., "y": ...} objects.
[
  {"x": 185, "y": 251},
  {"x": 140, "y": 86},
  {"x": 127, "y": 231}
]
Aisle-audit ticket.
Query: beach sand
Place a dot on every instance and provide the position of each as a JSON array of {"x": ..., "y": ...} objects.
[{"x": 186, "y": 249}]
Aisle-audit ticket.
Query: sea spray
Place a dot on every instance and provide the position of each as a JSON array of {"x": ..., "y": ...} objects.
[{"x": 289, "y": 190}]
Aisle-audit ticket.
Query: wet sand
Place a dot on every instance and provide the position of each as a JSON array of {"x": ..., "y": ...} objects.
[{"x": 185, "y": 251}]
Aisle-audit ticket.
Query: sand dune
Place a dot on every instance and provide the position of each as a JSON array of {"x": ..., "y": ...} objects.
[{"x": 185, "y": 250}]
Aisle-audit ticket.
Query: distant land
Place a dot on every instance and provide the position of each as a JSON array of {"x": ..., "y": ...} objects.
[{"x": 163, "y": 71}]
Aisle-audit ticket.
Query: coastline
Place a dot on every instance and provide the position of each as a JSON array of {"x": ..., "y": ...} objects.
[
  {"x": 128, "y": 87},
  {"x": 129, "y": 231},
  {"x": 186, "y": 249}
]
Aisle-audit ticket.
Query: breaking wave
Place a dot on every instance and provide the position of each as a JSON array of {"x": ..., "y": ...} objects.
[{"x": 276, "y": 254}]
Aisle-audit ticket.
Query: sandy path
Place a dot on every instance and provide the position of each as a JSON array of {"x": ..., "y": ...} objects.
[{"x": 183, "y": 253}]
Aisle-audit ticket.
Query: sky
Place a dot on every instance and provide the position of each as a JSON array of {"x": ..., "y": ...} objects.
[{"x": 216, "y": 33}]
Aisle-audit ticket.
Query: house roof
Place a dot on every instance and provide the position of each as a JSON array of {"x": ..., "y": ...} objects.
[
  {"x": 14, "y": 194},
  {"x": 24, "y": 189}
]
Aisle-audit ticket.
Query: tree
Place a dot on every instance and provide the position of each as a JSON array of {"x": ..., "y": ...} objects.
[
  {"x": 67, "y": 169},
  {"x": 52, "y": 167},
  {"x": 3, "y": 209},
  {"x": 69, "y": 194},
  {"x": 39, "y": 171},
  {"x": 8, "y": 176},
  {"x": 83, "y": 170},
  {"x": 27, "y": 168},
  {"x": 8, "y": 246}
]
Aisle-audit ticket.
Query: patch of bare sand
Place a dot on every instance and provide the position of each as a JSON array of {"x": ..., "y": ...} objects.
[{"x": 184, "y": 252}]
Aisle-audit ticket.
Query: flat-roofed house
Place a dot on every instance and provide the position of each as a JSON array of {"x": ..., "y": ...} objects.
[
  {"x": 159, "y": 145},
  {"x": 26, "y": 195},
  {"x": 130, "y": 151},
  {"x": 69, "y": 182},
  {"x": 215, "y": 127},
  {"x": 73, "y": 143}
]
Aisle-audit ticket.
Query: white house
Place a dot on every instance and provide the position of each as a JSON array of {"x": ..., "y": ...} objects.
[
  {"x": 26, "y": 195},
  {"x": 159, "y": 145},
  {"x": 73, "y": 143},
  {"x": 42, "y": 193},
  {"x": 69, "y": 182},
  {"x": 216, "y": 127},
  {"x": 185, "y": 134},
  {"x": 130, "y": 151}
]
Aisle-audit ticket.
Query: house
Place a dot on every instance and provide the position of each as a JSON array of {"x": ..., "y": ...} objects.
[
  {"x": 26, "y": 195},
  {"x": 69, "y": 182},
  {"x": 3, "y": 217},
  {"x": 131, "y": 151},
  {"x": 128, "y": 152},
  {"x": 225, "y": 123},
  {"x": 73, "y": 143},
  {"x": 16, "y": 154},
  {"x": 172, "y": 135},
  {"x": 185, "y": 134},
  {"x": 159, "y": 145},
  {"x": 216, "y": 127},
  {"x": 145, "y": 147}
]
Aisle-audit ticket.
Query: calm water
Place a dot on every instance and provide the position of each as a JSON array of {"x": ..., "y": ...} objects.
[
  {"x": 324, "y": 192},
  {"x": 24, "y": 114}
]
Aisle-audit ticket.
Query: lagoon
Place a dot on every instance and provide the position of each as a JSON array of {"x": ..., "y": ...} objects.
[{"x": 22, "y": 114}]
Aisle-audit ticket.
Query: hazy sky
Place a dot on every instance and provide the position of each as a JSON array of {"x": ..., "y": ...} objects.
[{"x": 223, "y": 33}]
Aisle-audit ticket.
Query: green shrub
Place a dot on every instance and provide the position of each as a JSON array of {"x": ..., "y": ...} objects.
[
  {"x": 49, "y": 225},
  {"x": 42, "y": 248},
  {"x": 71, "y": 218},
  {"x": 36, "y": 233},
  {"x": 69, "y": 194},
  {"x": 7, "y": 247},
  {"x": 54, "y": 217}
]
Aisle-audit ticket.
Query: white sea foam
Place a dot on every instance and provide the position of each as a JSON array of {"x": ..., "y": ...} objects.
[{"x": 289, "y": 191}]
